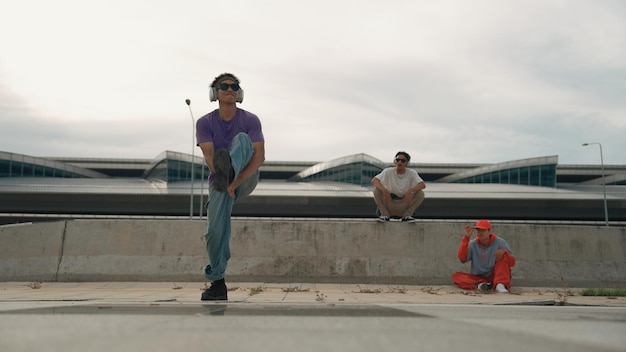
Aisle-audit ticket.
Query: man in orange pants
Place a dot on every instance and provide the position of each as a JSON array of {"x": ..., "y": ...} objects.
[{"x": 491, "y": 260}]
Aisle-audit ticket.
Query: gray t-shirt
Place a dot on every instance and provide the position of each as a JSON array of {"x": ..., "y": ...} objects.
[{"x": 482, "y": 257}]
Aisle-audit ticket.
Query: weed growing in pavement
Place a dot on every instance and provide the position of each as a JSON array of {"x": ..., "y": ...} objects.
[
  {"x": 368, "y": 290},
  {"x": 397, "y": 289},
  {"x": 561, "y": 297},
  {"x": 320, "y": 297},
  {"x": 607, "y": 292},
  {"x": 176, "y": 287},
  {"x": 35, "y": 285},
  {"x": 256, "y": 290},
  {"x": 295, "y": 289},
  {"x": 430, "y": 290}
]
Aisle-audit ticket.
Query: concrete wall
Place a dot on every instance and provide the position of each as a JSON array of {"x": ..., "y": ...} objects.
[{"x": 303, "y": 250}]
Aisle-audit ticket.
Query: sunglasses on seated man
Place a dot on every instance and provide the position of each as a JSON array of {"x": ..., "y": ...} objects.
[{"x": 400, "y": 160}]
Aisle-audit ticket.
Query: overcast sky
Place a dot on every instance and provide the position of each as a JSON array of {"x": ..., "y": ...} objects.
[{"x": 450, "y": 81}]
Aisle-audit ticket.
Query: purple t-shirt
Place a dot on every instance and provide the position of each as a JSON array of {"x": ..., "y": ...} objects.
[{"x": 211, "y": 128}]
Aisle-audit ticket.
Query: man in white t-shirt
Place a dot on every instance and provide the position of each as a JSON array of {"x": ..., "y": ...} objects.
[{"x": 398, "y": 190}]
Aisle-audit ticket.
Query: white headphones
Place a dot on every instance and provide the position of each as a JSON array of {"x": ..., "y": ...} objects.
[{"x": 213, "y": 94}]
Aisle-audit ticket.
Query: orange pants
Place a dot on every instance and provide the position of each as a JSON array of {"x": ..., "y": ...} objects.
[{"x": 501, "y": 275}]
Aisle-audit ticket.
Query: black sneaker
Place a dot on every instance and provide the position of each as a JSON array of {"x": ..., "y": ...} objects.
[
  {"x": 409, "y": 219},
  {"x": 217, "y": 291},
  {"x": 382, "y": 218},
  {"x": 485, "y": 286},
  {"x": 224, "y": 172}
]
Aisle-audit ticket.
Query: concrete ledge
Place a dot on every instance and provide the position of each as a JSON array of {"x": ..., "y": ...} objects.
[
  {"x": 303, "y": 250},
  {"x": 31, "y": 251}
]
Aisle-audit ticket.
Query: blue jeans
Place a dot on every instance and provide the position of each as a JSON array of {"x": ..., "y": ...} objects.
[{"x": 220, "y": 207}]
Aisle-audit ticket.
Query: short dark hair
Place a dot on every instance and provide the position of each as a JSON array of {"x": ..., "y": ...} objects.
[
  {"x": 406, "y": 155},
  {"x": 224, "y": 76}
]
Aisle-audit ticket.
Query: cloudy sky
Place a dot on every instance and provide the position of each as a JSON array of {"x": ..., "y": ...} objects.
[{"x": 449, "y": 81}]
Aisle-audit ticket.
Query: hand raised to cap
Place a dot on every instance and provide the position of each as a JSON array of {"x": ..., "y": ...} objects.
[{"x": 468, "y": 230}]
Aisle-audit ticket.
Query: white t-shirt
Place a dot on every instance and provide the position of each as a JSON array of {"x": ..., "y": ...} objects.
[{"x": 399, "y": 184}]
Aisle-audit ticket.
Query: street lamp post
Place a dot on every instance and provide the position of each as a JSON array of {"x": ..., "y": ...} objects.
[
  {"x": 606, "y": 209},
  {"x": 192, "y": 158}
]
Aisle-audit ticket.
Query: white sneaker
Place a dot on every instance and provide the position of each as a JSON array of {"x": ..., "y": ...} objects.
[
  {"x": 501, "y": 289},
  {"x": 409, "y": 219},
  {"x": 382, "y": 218}
]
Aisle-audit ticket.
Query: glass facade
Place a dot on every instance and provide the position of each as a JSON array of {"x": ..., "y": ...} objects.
[
  {"x": 358, "y": 169},
  {"x": 357, "y": 173},
  {"x": 13, "y": 168},
  {"x": 540, "y": 175},
  {"x": 539, "y": 171},
  {"x": 172, "y": 170}
]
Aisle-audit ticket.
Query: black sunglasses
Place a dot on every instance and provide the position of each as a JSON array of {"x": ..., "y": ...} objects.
[
  {"x": 400, "y": 160},
  {"x": 233, "y": 86}
]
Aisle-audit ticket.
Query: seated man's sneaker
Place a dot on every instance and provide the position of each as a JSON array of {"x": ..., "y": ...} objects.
[
  {"x": 485, "y": 286},
  {"x": 224, "y": 172},
  {"x": 217, "y": 291},
  {"x": 382, "y": 218},
  {"x": 500, "y": 288},
  {"x": 409, "y": 219}
]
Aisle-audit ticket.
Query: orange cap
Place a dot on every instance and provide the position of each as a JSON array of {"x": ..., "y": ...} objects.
[{"x": 482, "y": 224}]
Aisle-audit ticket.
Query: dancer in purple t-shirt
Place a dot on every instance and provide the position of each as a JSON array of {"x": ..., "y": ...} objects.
[{"x": 232, "y": 142}]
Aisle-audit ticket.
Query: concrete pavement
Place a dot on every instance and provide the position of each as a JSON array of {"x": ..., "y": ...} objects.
[
  {"x": 166, "y": 316},
  {"x": 259, "y": 292}
]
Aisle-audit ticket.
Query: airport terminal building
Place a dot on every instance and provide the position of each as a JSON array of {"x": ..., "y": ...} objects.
[{"x": 174, "y": 185}]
